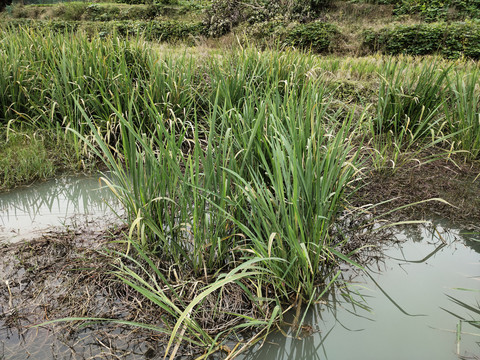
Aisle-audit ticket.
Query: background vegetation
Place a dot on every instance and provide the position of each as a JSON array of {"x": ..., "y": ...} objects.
[{"x": 414, "y": 27}]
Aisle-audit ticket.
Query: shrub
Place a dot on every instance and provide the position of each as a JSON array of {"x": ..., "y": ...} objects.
[
  {"x": 155, "y": 30},
  {"x": 223, "y": 16},
  {"x": 95, "y": 12},
  {"x": 435, "y": 10},
  {"x": 315, "y": 35},
  {"x": 4, "y": 3},
  {"x": 226, "y": 14},
  {"x": 450, "y": 40},
  {"x": 309, "y": 9},
  {"x": 132, "y": 2},
  {"x": 265, "y": 30}
]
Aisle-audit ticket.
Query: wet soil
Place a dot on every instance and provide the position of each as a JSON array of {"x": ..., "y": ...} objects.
[
  {"x": 458, "y": 184},
  {"x": 65, "y": 275}
]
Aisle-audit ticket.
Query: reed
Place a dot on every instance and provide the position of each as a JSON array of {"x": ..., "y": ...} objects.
[{"x": 464, "y": 112}]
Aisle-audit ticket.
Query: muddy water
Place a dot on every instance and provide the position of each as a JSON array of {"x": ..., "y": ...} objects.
[
  {"x": 27, "y": 212},
  {"x": 411, "y": 299}
]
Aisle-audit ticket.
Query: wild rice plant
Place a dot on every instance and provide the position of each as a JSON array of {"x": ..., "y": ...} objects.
[
  {"x": 293, "y": 165},
  {"x": 409, "y": 103},
  {"x": 463, "y": 112},
  {"x": 266, "y": 176},
  {"x": 44, "y": 74},
  {"x": 236, "y": 165},
  {"x": 409, "y": 117}
]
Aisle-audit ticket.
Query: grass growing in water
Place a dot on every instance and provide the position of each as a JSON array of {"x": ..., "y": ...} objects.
[{"x": 261, "y": 178}]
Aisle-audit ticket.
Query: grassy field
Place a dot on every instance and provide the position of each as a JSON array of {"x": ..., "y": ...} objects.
[{"x": 238, "y": 166}]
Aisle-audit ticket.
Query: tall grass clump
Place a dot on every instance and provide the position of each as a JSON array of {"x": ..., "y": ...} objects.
[
  {"x": 463, "y": 112},
  {"x": 259, "y": 174},
  {"x": 272, "y": 168},
  {"x": 293, "y": 166},
  {"x": 43, "y": 75},
  {"x": 409, "y": 115}
]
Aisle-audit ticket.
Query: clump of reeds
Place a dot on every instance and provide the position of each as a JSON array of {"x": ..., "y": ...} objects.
[{"x": 258, "y": 175}]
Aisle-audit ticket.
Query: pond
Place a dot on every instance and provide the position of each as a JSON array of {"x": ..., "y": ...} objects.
[
  {"x": 409, "y": 298},
  {"x": 27, "y": 212}
]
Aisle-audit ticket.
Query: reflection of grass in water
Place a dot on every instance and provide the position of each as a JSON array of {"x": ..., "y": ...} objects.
[
  {"x": 474, "y": 313},
  {"x": 75, "y": 195}
]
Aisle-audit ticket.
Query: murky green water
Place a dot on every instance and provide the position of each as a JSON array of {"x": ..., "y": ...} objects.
[
  {"x": 410, "y": 296},
  {"x": 27, "y": 212}
]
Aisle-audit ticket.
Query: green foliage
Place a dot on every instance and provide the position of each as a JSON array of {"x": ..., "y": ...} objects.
[
  {"x": 430, "y": 10},
  {"x": 451, "y": 40},
  {"x": 71, "y": 11},
  {"x": 28, "y": 155},
  {"x": 156, "y": 30},
  {"x": 236, "y": 164},
  {"x": 307, "y": 10},
  {"x": 62, "y": 59},
  {"x": 4, "y": 3},
  {"x": 464, "y": 113},
  {"x": 97, "y": 12},
  {"x": 408, "y": 104},
  {"x": 147, "y": 2},
  {"x": 435, "y": 10},
  {"x": 133, "y": 2},
  {"x": 316, "y": 36},
  {"x": 263, "y": 170},
  {"x": 75, "y": 11},
  {"x": 224, "y": 15},
  {"x": 23, "y": 158}
]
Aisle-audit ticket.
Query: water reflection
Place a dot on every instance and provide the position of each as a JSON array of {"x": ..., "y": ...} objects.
[
  {"x": 407, "y": 300},
  {"x": 29, "y": 211}
]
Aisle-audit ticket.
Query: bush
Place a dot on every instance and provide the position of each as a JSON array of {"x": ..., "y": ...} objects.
[
  {"x": 450, "y": 40},
  {"x": 435, "y": 10},
  {"x": 147, "y": 2},
  {"x": 4, "y": 3},
  {"x": 132, "y": 2},
  {"x": 156, "y": 30},
  {"x": 310, "y": 9},
  {"x": 223, "y": 16},
  {"x": 71, "y": 11},
  {"x": 267, "y": 30},
  {"x": 96, "y": 12},
  {"x": 316, "y": 36}
]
